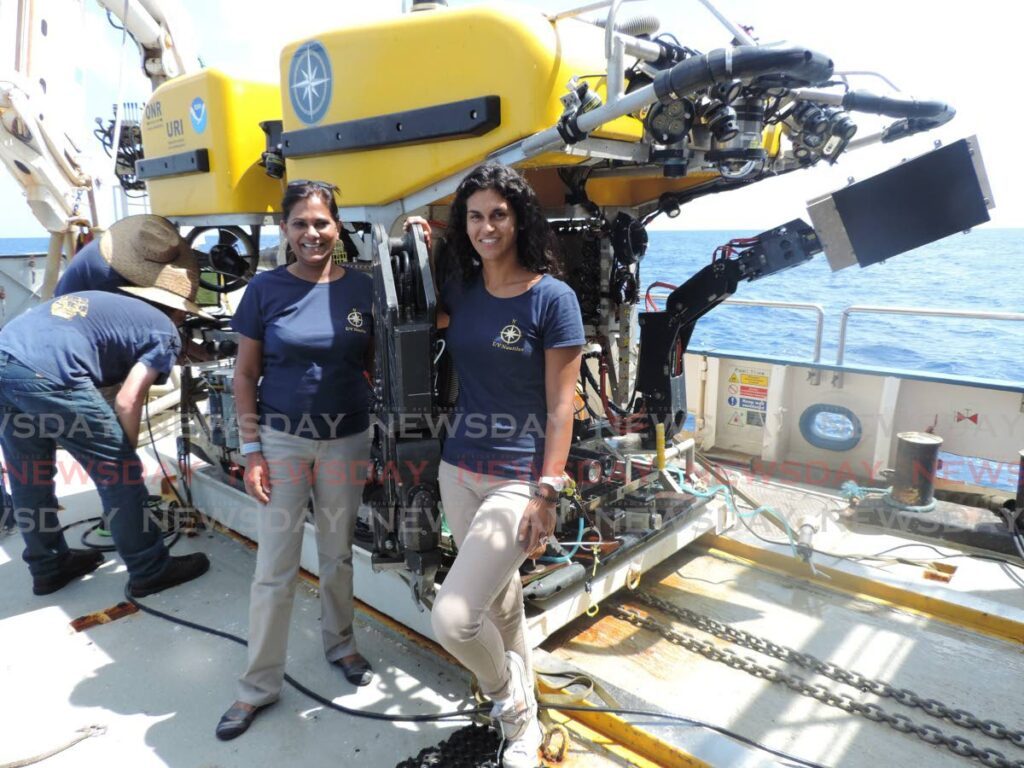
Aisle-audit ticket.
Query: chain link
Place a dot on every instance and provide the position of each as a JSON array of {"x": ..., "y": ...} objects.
[
  {"x": 904, "y": 696},
  {"x": 475, "y": 746},
  {"x": 928, "y": 733}
]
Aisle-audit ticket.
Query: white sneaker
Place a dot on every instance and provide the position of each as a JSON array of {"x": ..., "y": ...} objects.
[{"x": 517, "y": 715}]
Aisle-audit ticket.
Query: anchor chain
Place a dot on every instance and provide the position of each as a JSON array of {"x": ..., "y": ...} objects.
[
  {"x": 475, "y": 746},
  {"x": 905, "y": 696},
  {"x": 927, "y": 733}
]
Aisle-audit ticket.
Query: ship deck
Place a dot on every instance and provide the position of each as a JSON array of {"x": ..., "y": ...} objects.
[{"x": 156, "y": 689}]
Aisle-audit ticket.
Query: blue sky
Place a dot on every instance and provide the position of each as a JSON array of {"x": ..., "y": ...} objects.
[{"x": 931, "y": 50}]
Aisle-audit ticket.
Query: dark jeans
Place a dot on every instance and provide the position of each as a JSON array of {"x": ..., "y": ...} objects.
[{"x": 36, "y": 416}]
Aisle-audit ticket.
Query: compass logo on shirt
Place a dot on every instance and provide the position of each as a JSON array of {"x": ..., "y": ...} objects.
[
  {"x": 508, "y": 337},
  {"x": 510, "y": 334},
  {"x": 68, "y": 307},
  {"x": 355, "y": 321}
]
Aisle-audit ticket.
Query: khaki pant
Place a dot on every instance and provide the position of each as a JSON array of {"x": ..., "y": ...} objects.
[
  {"x": 478, "y": 613},
  {"x": 335, "y": 471}
]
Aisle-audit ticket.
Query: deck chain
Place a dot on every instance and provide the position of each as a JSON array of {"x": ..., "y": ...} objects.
[
  {"x": 928, "y": 733},
  {"x": 905, "y": 696},
  {"x": 474, "y": 746}
]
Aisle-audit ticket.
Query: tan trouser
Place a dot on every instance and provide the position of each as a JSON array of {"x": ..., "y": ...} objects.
[
  {"x": 478, "y": 613},
  {"x": 335, "y": 471}
]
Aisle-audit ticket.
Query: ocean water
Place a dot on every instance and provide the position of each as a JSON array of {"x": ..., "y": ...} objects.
[{"x": 980, "y": 271}]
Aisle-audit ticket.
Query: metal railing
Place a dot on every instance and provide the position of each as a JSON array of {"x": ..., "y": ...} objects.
[
  {"x": 837, "y": 378},
  {"x": 816, "y": 308},
  {"x": 961, "y": 313},
  {"x": 862, "y": 309}
]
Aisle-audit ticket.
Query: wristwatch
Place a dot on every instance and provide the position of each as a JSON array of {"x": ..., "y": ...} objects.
[{"x": 556, "y": 483}]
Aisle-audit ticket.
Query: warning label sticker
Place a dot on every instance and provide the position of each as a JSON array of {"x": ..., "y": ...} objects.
[
  {"x": 754, "y": 379},
  {"x": 747, "y": 389}
]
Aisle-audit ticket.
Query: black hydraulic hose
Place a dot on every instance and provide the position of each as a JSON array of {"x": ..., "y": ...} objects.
[
  {"x": 865, "y": 101},
  {"x": 323, "y": 700},
  {"x": 458, "y": 714},
  {"x": 793, "y": 67}
]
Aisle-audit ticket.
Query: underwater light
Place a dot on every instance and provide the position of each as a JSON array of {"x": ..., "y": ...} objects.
[{"x": 669, "y": 123}]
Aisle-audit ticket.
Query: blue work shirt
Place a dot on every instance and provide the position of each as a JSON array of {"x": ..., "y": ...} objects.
[
  {"x": 89, "y": 271},
  {"x": 92, "y": 337},
  {"x": 497, "y": 346},
  {"x": 315, "y": 338}
]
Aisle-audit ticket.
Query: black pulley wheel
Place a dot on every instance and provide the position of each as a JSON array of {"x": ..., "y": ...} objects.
[{"x": 227, "y": 257}]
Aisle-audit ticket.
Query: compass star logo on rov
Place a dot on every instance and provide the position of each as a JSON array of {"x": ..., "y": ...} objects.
[
  {"x": 310, "y": 82},
  {"x": 508, "y": 337}
]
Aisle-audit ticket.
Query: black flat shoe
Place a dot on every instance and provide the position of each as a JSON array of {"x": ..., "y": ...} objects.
[
  {"x": 236, "y": 721},
  {"x": 358, "y": 672},
  {"x": 178, "y": 570},
  {"x": 75, "y": 564}
]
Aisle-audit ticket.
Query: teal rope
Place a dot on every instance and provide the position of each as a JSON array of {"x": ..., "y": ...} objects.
[
  {"x": 726, "y": 492},
  {"x": 569, "y": 555},
  {"x": 850, "y": 491}
]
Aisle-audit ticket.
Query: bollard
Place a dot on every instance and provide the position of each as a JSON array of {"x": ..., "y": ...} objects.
[{"x": 917, "y": 455}]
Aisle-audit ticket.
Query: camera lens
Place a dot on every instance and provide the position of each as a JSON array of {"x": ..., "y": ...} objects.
[
  {"x": 728, "y": 92},
  {"x": 811, "y": 119},
  {"x": 841, "y": 126},
  {"x": 813, "y": 140},
  {"x": 721, "y": 121}
]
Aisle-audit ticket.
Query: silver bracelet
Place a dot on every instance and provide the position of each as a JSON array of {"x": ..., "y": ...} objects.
[{"x": 253, "y": 447}]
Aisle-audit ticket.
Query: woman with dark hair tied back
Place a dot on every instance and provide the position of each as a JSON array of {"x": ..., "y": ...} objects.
[
  {"x": 515, "y": 335},
  {"x": 305, "y": 339}
]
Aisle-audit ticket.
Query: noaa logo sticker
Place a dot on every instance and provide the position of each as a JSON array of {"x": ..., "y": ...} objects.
[
  {"x": 309, "y": 82},
  {"x": 511, "y": 334},
  {"x": 355, "y": 319},
  {"x": 197, "y": 114}
]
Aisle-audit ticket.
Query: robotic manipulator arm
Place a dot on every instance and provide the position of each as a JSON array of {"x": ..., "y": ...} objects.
[
  {"x": 665, "y": 335},
  {"x": 922, "y": 200}
]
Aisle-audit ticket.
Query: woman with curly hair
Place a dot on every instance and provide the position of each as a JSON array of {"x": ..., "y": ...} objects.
[{"x": 515, "y": 335}]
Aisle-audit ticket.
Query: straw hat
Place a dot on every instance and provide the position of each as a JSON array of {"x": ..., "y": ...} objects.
[{"x": 147, "y": 251}]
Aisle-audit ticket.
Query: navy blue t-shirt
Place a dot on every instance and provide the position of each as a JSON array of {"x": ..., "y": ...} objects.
[
  {"x": 315, "y": 337},
  {"x": 92, "y": 337},
  {"x": 88, "y": 271},
  {"x": 497, "y": 346}
]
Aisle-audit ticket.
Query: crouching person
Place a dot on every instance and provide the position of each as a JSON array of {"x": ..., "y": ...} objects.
[{"x": 53, "y": 361}]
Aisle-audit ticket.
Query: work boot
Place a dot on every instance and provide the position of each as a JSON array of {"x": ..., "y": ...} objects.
[
  {"x": 177, "y": 571},
  {"x": 517, "y": 715},
  {"x": 77, "y": 562}
]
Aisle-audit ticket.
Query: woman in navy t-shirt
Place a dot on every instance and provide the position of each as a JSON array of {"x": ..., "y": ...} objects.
[
  {"x": 302, "y": 399},
  {"x": 515, "y": 335}
]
